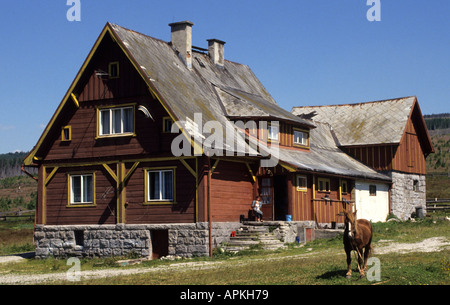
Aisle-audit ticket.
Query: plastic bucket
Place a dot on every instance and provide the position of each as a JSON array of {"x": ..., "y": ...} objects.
[{"x": 288, "y": 217}]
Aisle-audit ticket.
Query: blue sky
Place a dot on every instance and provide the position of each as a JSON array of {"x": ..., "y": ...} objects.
[{"x": 305, "y": 52}]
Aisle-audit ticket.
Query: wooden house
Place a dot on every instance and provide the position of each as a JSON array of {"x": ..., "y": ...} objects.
[
  {"x": 132, "y": 158},
  {"x": 390, "y": 136}
]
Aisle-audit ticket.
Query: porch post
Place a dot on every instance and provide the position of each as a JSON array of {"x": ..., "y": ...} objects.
[{"x": 291, "y": 203}]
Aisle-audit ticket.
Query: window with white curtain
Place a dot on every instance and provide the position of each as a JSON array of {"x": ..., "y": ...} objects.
[
  {"x": 160, "y": 185},
  {"x": 82, "y": 189},
  {"x": 116, "y": 121}
]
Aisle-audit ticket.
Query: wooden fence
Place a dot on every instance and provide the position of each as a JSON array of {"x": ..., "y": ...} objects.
[
  {"x": 17, "y": 215},
  {"x": 438, "y": 204}
]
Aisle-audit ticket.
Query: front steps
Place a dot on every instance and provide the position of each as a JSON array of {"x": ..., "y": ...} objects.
[{"x": 253, "y": 236}]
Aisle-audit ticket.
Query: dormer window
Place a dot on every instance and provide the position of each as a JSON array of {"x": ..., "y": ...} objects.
[
  {"x": 272, "y": 133},
  {"x": 301, "y": 137}
]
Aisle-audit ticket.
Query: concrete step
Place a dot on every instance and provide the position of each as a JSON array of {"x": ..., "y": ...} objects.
[{"x": 251, "y": 235}]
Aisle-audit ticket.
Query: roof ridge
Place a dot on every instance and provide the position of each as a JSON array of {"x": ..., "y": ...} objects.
[
  {"x": 356, "y": 104},
  {"x": 139, "y": 33}
]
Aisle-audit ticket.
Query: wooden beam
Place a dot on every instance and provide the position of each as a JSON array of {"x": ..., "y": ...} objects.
[
  {"x": 215, "y": 165},
  {"x": 251, "y": 172},
  {"x": 189, "y": 168},
  {"x": 75, "y": 100},
  {"x": 111, "y": 172},
  {"x": 130, "y": 172},
  {"x": 50, "y": 176}
]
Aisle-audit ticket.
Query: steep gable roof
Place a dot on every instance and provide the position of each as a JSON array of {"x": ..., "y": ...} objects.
[
  {"x": 186, "y": 92},
  {"x": 181, "y": 91},
  {"x": 371, "y": 123}
]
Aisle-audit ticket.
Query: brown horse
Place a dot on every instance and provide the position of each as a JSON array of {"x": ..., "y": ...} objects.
[{"x": 357, "y": 237}]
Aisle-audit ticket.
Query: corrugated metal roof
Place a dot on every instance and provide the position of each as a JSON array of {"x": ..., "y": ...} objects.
[{"x": 381, "y": 122}]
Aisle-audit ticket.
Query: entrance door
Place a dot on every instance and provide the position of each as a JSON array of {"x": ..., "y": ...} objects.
[
  {"x": 160, "y": 243},
  {"x": 280, "y": 189},
  {"x": 266, "y": 193}
]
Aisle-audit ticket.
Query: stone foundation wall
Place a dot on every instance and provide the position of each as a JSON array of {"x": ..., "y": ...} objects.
[
  {"x": 184, "y": 240},
  {"x": 407, "y": 196}
]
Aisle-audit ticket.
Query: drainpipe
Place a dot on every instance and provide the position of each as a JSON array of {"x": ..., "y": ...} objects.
[
  {"x": 209, "y": 204},
  {"x": 22, "y": 168}
]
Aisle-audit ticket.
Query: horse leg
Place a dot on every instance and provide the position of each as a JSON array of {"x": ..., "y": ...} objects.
[
  {"x": 349, "y": 263},
  {"x": 367, "y": 250},
  {"x": 360, "y": 262}
]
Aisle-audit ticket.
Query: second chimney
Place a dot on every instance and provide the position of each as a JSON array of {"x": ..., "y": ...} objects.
[
  {"x": 181, "y": 38},
  {"x": 216, "y": 51}
]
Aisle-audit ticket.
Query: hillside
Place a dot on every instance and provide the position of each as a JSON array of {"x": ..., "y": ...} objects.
[
  {"x": 10, "y": 164},
  {"x": 439, "y": 129},
  {"x": 438, "y": 164},
  {"x": 17, "y": 190}
]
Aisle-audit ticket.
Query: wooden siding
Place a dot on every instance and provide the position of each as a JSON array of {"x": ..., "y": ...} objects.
[
  {"x": 148, "y": 138},
  {"x": 301, "y": 200},
  {"x": 309, "y": 204},
  {"x": 378, "y": 157},
  {"x": 325, "y": 211},
  {"x": 410, "y": 157},
  {"x": 183, "y": 211},
  {"x": 59, "y": 212},
  {"x": 231, "y": 191},
  {"x": 55, "y": 203},
  {"x": 407, "y": 157},
  {"x": 93, "y": 87},
  {"x": 96, "y": 93}
]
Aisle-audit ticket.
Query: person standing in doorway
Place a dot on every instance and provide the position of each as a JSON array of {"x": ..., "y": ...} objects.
[{"x": 256, "y": 206}]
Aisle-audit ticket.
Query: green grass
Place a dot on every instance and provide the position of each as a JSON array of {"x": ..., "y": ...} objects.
[
  {"x": 321, "y": 262},
  {"x": 16, "y": 237}
]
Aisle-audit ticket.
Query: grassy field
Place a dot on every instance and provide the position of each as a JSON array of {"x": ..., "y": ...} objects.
[{"x": 321, "y": 262}]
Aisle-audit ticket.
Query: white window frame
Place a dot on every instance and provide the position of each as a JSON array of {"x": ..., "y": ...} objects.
[
  {"x": 111, "y": 113},
  {"x": 303, "y": 136},
  {"x": 83, "y": 187},
  {"x": 273, "y": 133}
]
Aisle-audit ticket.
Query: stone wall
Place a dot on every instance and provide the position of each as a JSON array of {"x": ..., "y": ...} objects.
[
  {"x": 184, "y": 240},
  {"x": 408, "y": 192}
]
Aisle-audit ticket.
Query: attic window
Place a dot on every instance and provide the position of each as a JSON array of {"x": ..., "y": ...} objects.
[
  {"x": 113, "y": 69},
  {"x": 167, "y": 124},
  {"x": 301, "y": 138},
  {"x": 116, "y": 121},
  {"x": 66, "y": 134}
]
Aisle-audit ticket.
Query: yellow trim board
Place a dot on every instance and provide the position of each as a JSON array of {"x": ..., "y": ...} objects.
[{"x": 29, "y": 159}]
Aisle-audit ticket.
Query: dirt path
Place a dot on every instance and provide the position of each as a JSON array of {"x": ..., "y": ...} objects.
[{"x": 434, "y": 244}]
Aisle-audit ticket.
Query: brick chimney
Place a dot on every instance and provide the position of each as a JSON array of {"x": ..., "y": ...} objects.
[
  {"x": 181, "y": 38},
  {"x": 216, "y": 51}
]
